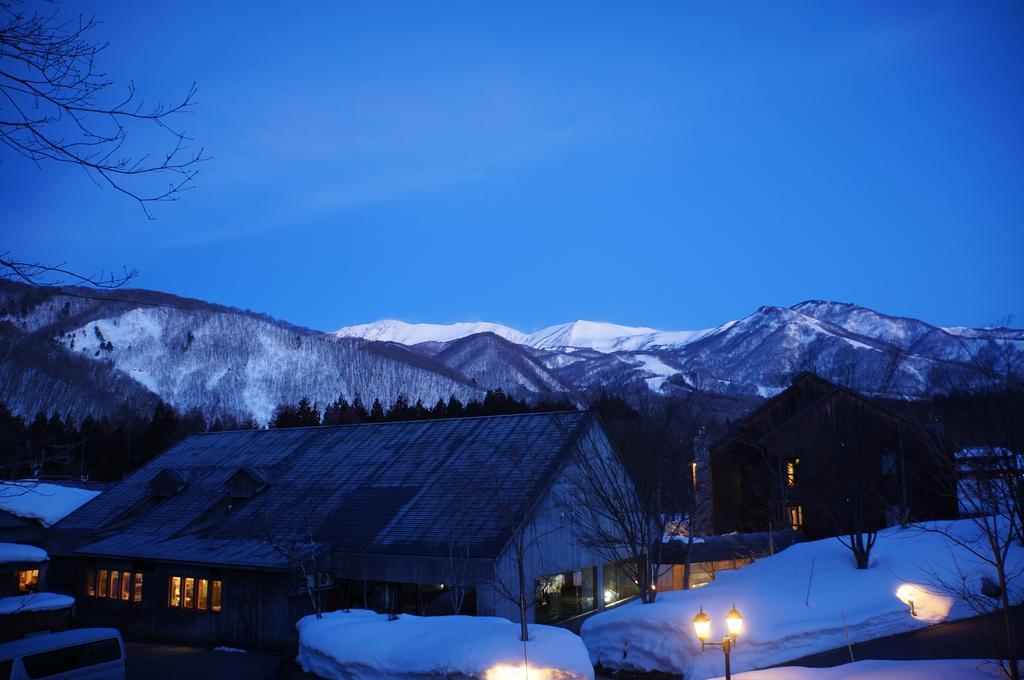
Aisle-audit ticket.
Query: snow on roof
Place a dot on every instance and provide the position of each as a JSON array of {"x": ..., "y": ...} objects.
[
  {"x": 49, "y": 503},
  {"x": 34, "y": 602},
  {"x": 15, "y": 552},
  {"x": 363, "y": 645},
  {"x": 799, "y": 602},
  {"x": 983, "y": 451}
]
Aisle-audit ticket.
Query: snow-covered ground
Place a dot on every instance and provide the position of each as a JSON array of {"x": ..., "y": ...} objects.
[
  {"x": 362, "y": 645},
  {"x": 790, "y": 612},
  {"x": 952, "y": 669},
  {"x": 11, "y": 553},
  {"x": 48, "y": 503}
]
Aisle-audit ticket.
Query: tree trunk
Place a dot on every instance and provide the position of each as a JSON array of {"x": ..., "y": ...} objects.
[
  {"x": 524, "y": 631},
  {"x": 688, "y": 562},
  {"x": 1011, "y": 645}
]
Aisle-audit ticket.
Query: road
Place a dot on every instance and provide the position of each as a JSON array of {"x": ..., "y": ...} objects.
[
  {"x": 149, "y": 661},
  {"x": 978, "y": 638}
]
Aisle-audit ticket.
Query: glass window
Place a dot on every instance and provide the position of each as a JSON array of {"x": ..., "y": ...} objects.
[
  {"x": 189, "y": 600},
  {"x": 565, "y": 595},
  {"x": 103, "y": 583},
  {"x": 28, "y": 580},
  {"x": 796, "y": 517},
  {"x": 791, "y": 467},
  {"x": 201, "y": 594},
  {"x": 126, "y": 585},
  {"x": 90, "y": 583},
  {"x": 888, "y": 463},
  {"x": 67, "y": 659},
  {"x": 174, "y": 592},
  {"x": 137, "y": 595},
  {"x": 214, "y": 596},
  {"x": 115, "y": 584},
  {"x": 618, "y": 585}
]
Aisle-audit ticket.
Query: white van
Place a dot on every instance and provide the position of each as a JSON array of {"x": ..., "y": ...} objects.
[{"x": 94, "y": 653}]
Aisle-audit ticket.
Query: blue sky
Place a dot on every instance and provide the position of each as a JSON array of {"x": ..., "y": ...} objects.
[{"x": 673, "y": 165}]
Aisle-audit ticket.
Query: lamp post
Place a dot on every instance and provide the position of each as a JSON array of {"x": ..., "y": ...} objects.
[{"x": 733, "y": 625}]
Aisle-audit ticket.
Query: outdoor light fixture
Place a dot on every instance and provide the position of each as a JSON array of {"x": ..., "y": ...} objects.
[
  {"x": 908, "y": 593},
  {"x": 734, "y": 622},
  {"x": 702, "y": 626},
  {"x": 734, "y": 625}
]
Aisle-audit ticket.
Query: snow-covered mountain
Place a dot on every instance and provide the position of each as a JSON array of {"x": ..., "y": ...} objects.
[
  {"x": 389, "y": 330},
  {"x": 602, "y": 336},
  {"x": 62, "y": 350}
]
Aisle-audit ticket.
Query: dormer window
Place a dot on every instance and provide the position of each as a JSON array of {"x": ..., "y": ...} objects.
[
  {"x": 167, "y": 483},
  {"x": 245, "y": 483}
]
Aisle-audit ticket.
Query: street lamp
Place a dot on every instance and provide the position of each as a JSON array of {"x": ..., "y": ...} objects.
[{"x": 734, "y": 626}]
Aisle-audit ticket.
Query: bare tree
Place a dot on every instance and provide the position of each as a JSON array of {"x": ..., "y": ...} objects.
[
  {"x": 524, "y": 537},
  {"x": 981, "y": 419},
  {"x": 302, "y": 555},
  {"x": 58, "y": 107},
  {"x": 627, "y": 497}
]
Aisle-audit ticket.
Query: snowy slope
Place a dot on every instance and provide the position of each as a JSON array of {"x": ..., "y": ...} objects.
[
  {"x": 493, "y": 362},
  {"x": 415, "y": 333},
  {"x": 70, "y": 353},
  {"x": 244, "y": 366},
  {"x": 604, "y": 337},
  {"x": 789, "y": 613},
  {"x": 607, "y": 337}
]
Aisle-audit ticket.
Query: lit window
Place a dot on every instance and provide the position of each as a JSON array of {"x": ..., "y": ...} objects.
[
  {"x": 102, "y": 581},
  {"x": 137, "y": 595},
  {"x": 201, "y": 594},
  {"x": 174, "y": 592},
  {"x": 791, "y": 471},
  {"x": 126, "y": 585},
  {"x": 189, "y": 600},
  {"x": 215, "y": 596},
  {"x": 115, "y": 584},
  {"x": 796, "y": 517},
  {"x": 28, "y": 580},
  {"x": 90, "y": 583}
]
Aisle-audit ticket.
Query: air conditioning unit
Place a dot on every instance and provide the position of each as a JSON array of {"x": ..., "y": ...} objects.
[{"x": 324, "y": 579}]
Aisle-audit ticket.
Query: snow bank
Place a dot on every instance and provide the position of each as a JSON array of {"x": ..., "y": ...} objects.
[
  {"x": 34, "y": 602},
  {"x": 361, "y": 645},
  {"x": 48, "y": 503},
  {"x": 11, "y": 553},
  {"x": 782, "y": 620},
  {"x": 947, "y": 669}
]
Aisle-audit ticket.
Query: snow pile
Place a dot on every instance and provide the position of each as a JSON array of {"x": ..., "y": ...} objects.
[
  {"x": 771, "y": 595},
  {"x": 362, "y": 644},
  {"x": 11, "y": 553},
  {"x": 48, "y": 503},
  {"x": 951, "y": 669},
  {"x": 34, "y": 602}
]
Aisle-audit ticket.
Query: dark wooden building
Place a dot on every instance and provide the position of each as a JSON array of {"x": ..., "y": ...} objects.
[
  {"x": 824, "y": 460},
  {"x": 229, "y": 537}
]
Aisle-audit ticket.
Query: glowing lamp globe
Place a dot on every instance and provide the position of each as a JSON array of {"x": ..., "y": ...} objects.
[
  {"x": 734, "y": 622},
  {"x": 702, "y": 625}
]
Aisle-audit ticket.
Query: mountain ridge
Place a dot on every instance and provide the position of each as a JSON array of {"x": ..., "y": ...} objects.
[{"x": 137, "y": 347}]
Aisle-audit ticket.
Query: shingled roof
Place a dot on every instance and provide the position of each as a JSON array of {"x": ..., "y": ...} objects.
[{"x": 397, "y": 488}]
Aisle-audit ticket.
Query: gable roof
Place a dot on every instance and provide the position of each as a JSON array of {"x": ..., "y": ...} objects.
[
  {"x": 405, "y": 488},
  {"x": 807, "y": 392}
]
